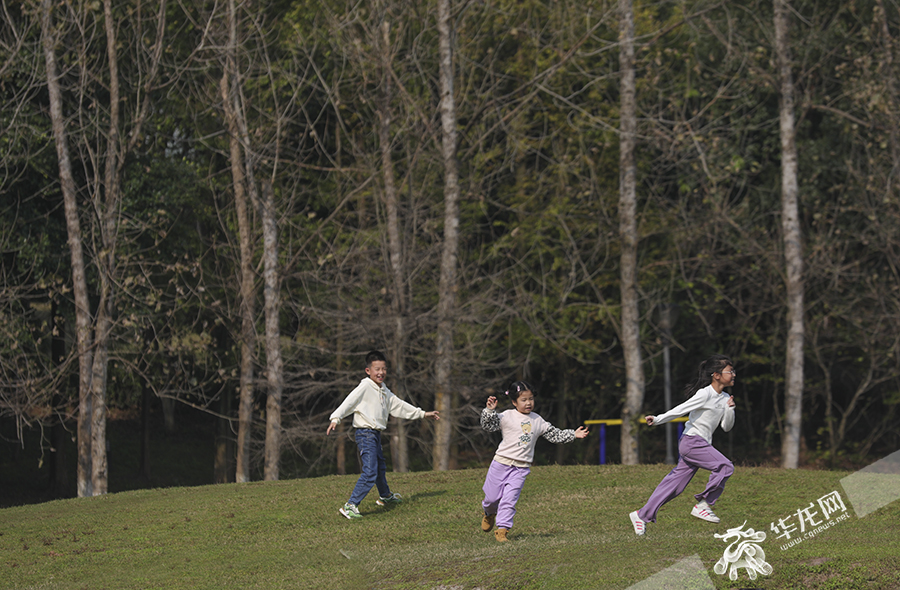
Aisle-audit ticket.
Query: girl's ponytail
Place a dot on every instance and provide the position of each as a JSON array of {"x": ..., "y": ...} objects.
[{"x": 714, "y": 364}]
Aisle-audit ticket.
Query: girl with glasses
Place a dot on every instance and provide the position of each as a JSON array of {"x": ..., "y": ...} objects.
[{"x": 708, "y": 407}]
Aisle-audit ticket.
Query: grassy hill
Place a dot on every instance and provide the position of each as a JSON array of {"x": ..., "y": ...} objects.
[{"x": 571, "y": 532}]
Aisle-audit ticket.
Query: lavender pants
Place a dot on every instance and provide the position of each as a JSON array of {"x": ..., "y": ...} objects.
[
  {"x": 502, "y": 487},
  {"x": 696, "y": 453}
]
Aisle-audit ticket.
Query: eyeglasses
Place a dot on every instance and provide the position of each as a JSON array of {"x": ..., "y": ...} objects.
[{"x": 732, "y": 371}]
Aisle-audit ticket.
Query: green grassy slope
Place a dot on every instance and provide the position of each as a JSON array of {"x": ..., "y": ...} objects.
[{"x": 571, "y": 531}]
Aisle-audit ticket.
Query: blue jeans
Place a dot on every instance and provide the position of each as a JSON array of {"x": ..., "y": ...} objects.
[{"x": 368, "y": 441}]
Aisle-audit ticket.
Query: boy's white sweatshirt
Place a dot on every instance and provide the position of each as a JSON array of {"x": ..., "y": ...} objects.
[{"x": 371, "y": 405}]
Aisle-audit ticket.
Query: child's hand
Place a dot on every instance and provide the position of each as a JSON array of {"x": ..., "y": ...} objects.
[
  {"x": 434, "y": 415},
  {"x": 581, "y": 432},
  {"x": 650, "y": 420},
  {"x": 730, "y": 402},
  {"x": 492, "y": 403},
  {"x": 331, "y": 427}
]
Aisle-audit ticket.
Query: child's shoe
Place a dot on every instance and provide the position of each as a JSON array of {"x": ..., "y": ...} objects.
[
  {"x": 392, "y": 499},
  {"x": 350, "y": 511},
  {"x": 500, "y": 535},
  {"x": 487, "y": 522},
  {"x": 703, "y": 511},
  {"x": 640, "y": 527}
]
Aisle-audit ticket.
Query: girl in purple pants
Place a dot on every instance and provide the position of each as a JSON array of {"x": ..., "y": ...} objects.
[
  {"x": 709, "y": 408},
  {"x": 521, "y": 428}
]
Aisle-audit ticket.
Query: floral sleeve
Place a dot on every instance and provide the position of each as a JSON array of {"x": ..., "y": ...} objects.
[
  {"x": 490, "y": 420},
  {"x": 554, "y": 434}
]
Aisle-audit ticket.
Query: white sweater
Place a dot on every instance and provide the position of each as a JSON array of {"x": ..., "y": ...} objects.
[
  {"x": 708, "y": 410},
  {"x": 371, "y": 405}
]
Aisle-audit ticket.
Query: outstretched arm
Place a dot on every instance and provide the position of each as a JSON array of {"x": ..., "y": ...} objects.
[
  {"x": 696, "y": 401},
  {"x": 490, "y": 419},
  {"x": 558, "y": 435},
  {"x": 346, "y": 408}
]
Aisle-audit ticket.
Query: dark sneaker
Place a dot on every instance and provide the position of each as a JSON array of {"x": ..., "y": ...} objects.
[{"x": 392, "y": 499}]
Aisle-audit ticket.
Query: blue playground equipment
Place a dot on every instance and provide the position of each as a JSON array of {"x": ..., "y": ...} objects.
[{"x": 618, "y": 422}]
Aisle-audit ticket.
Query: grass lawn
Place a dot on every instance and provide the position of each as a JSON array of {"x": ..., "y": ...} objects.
[{"x": 571, "y": 532}]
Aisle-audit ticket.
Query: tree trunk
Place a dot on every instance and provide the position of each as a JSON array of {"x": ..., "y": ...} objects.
[
  {"x": 793, "y": 251},
  {"x": 630, "y": 330},
  {"x": 448, "y": 282},
  {"x": 103, "y": 167},
  {"x": 108, "y": 209},
  {"x": 341, "y": 440},
  {"x": 274, "y": 362},
  {"x": 229, "y": 86},
  {"x": 399, "y": 443},
  {"x": 73, "y": 228}
]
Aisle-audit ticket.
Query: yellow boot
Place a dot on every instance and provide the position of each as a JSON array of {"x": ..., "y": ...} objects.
[
  {"x": 487, "y": 522},
  {"x": 500, "y": 535}
]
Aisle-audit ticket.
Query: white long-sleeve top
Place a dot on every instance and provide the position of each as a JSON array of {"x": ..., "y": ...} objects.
[
  {"x": 707, "y": 410},
  {"x": 371, "y": 405}
]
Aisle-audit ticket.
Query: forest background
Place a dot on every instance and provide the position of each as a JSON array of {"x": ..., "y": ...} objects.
[{"x": 210, "y": 212}]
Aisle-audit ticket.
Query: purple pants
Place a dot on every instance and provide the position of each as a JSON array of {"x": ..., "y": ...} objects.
[
  {"x": 695, "y": 453},
  {"x": 502, "y": 487}
]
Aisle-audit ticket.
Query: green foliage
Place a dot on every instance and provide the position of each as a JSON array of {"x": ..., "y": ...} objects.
[{"x": 537, "y": 100}]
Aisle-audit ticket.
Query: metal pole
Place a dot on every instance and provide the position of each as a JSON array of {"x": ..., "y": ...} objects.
[
  {"x": 680, "y": 430},
  {"x": 603, "y": 444},
  {"x": 667, "y": 394}
]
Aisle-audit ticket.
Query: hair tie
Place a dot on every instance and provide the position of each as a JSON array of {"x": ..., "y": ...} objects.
[{"x": 506, "y": 393}]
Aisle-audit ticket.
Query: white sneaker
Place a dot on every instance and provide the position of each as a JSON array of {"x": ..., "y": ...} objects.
[
  {"x": 350, "y": 511},
  {"x": 703, "y": 511},
  {"x": 637, "y": 523}
]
